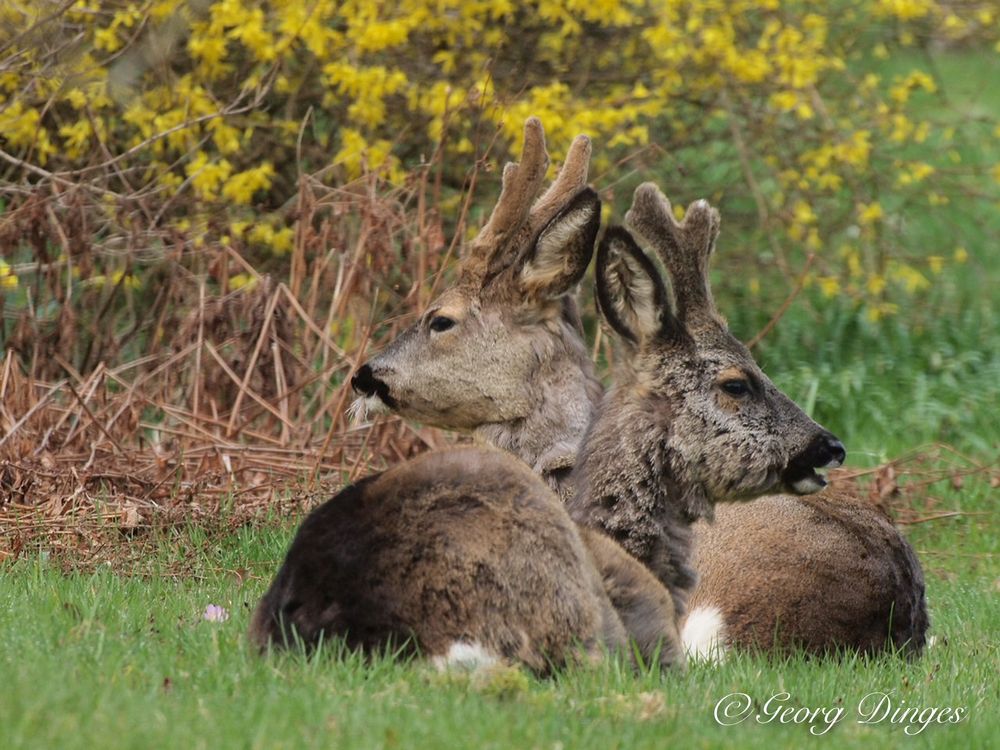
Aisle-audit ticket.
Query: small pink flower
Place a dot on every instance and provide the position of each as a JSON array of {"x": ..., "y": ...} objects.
[{"x": 215, "y": 613}]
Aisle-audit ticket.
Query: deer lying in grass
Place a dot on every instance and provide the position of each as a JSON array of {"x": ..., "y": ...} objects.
[
  {"x": 466, "y": 555},
  {"x": 431, "y": 552},
  {"x": 820, "y": 573}
]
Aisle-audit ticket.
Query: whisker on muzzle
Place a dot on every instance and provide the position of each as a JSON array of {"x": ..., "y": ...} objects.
[
  {"x": 357, "y": 412},
  {"x": 363, "y": 408}
]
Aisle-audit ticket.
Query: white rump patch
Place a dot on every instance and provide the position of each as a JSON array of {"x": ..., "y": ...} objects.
[
  {"x": 703, "y": 635},
  {"x": 465, "y": 656},
  {"x": 363, "y": 407}
]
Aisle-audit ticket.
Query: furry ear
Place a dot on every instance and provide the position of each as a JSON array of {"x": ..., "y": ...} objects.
[
  {"x": 559, "y": 257},
  {"x": 630, "y": 291}
]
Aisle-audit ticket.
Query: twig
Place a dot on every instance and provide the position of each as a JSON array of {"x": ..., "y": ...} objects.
[
  {"x": 339, "y": 410},
  {"x": 281, "y": 388},
  {"x": 462, "y": 216},
  {"x": 311, "y": 325},
  {"x": 236, "y": 379},
  {"x": 93, "y": 419},
  {"x": 268, "y": 314},
  {"x": 938, "y": 517},
  {"x": 31, "y": 412},
  {"x": 28, "y": 166},
  {"x": 36, "y": 25},
  {"x": 352, "y": 475},
  {"x": 784, "y": 305},
  {"x": 748, "y": 175}
]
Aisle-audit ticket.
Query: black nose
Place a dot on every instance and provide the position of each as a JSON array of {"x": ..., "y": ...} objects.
[
  {"x": 829, "y": 452},
  {"x": 363, "y": 381}
]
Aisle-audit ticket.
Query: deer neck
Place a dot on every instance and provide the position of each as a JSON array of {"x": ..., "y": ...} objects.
[
  {"x": 564, "y": 395},
  {"x": 625, "y": 487}
]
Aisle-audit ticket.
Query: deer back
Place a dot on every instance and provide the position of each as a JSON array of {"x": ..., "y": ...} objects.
[
  {"x": 821, "y": 574},
  {"x": 455, "y": 551}
]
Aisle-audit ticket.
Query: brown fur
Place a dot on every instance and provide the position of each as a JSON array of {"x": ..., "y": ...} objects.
[
  {"x": 860, "y": 589},
  {"x": 641, "y": 602},
  {"x": 466, "y": 545},
  {"x": 819, "y": 573}
]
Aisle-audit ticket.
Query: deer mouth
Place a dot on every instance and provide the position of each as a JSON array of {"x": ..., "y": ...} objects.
[
  {"x": 804, "y": 483},
  {"x": 801, "y": 476}
]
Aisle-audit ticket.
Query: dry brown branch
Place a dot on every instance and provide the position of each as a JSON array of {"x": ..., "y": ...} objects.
[
  {"x": 236, "y": 379},
  {"x": 31, "y": 412},
  {"x": 244, "y": 383},
  {"x": 783, "y": 308},
  {"x": 235, "y": 403}
]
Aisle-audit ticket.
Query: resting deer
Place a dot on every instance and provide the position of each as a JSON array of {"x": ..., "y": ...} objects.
[
  {"x": 821, "y": 573},
  {"x": 462, "y": 551},
  {"x": 467, "y": 554},
  {"x": 464, "y": 556}
]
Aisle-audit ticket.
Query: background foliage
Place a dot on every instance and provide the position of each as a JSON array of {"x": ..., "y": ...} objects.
[
  {"x": 823, "y": 128},
  {"x": 210, "y": 210}
]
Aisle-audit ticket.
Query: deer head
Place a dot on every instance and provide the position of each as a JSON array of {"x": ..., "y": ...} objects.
[
  {"x": 703, "y": 408},
  {"x": 509, "y": 315}
]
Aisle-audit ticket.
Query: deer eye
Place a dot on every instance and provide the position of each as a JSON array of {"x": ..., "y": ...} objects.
[
  {"x": 441, "y": 323},
  {"x": 736, "y": 387}
]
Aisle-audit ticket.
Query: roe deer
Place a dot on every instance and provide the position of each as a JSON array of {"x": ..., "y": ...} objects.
[
  {"x": 692, "y": 420},
  {"x": 460, "y": 555},
  {"x": 467, "y": 553},
  {"x": 822, "y": 573},
  {"x": 495, "y": 353}
]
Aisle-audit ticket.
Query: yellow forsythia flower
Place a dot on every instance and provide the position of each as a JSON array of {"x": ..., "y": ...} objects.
[
  {"x": 8, "y": 279},
  {"x": 869, "y": 214},
  {"x": 240, "y": 188}
]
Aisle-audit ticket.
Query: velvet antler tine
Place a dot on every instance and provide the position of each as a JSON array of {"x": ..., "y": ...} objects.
[
  {"x": 684, "y": 247},
  {"x": 652, "y": 216},
  {"x": 572, "y": 178},
  {"x": 518, "y": 220},
  {"x": 521, "y": 182}
]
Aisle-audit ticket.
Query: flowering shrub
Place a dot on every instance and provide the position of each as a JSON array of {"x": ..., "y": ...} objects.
[{"x": 774, "y": 107}]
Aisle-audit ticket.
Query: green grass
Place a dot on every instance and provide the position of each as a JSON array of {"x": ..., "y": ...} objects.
[{"x": 105, "y": 660}]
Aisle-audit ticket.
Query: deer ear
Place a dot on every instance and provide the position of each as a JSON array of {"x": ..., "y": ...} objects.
[
  {"x": 630, "y": 291},
  {"x": 557, "y": 261}
]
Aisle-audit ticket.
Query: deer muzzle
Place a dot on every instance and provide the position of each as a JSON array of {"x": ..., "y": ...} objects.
[
  {"x": 824, "y": 451},
  {"x": 366, "y": 383}
]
